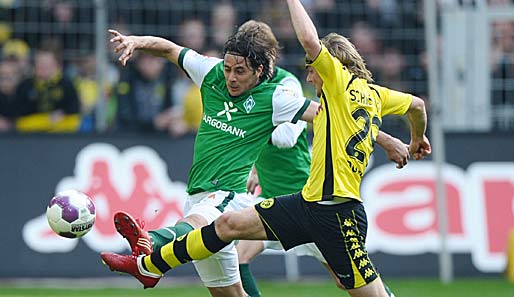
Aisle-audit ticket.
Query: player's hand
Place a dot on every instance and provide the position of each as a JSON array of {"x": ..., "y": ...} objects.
[
  {"x": 252, "y": 182},
  {"x": 420, "y": 149},
  {"x": 127, "y": 44},
  {"x": 397, "y": 151}
]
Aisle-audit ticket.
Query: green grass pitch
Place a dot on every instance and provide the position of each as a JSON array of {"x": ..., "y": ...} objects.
[{"x": 478, "y": 287}]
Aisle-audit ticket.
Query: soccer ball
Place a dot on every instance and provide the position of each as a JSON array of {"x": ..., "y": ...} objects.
[{"x": 71, "y": 214}]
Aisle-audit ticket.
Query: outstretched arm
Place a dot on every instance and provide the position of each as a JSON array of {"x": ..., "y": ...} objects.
[
  {"x": 152, "y": 45},
  {"x": 305, "y": 29}
]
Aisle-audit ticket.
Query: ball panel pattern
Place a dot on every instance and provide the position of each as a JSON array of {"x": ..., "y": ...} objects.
[
  {"x": 67, "y": 234},
  {"x": 71, "y": 214}
]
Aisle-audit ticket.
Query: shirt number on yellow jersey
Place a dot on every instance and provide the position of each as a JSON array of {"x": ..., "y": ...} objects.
[{"x": 361, "y": 135}]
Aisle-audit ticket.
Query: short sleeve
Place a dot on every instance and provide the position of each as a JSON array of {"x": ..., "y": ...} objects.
[
  {"x": 292, "y": 83},
  {"x": 286, "y": 134},
  {"x": 196, "y": 65},
  {"x": 288, "y": 105},
  {"x": 393, "y": 102}
]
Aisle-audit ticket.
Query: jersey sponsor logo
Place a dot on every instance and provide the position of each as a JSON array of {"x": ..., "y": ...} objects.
[
  {"x": 229, "y": 107},
  {"x": 224, "y": 126},
  {"x": 268, "y": 203},
  {"x": 135, "y": 180},
  {"x": 249, "y": 104}
]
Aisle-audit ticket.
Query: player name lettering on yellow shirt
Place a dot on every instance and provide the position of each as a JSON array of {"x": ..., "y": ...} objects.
[{"x": 360, "y": 98}]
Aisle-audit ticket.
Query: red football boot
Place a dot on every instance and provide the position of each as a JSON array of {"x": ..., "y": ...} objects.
[
  {"x": 132, "y": 265},
  {"x": 132, "y": 229}
]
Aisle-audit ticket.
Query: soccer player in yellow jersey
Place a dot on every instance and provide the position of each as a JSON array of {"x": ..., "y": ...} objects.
[{"x": 329, "y": 210}]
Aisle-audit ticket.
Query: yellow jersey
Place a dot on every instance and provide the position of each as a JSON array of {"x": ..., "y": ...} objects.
[{"x": 345, "y": 129}]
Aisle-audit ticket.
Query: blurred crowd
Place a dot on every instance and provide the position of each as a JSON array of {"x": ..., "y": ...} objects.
[{"x": 48, "y": 64}]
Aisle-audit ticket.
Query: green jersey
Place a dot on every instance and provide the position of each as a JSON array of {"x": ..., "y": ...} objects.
[
  {"x": 284, "y": 170},
  {"x": 233, "y": 129}
]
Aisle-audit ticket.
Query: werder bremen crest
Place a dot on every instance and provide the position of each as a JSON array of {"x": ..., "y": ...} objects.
[{"x": 249, "y": 104}]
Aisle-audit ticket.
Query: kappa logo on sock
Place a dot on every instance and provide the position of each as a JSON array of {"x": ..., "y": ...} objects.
[
  {"x": 267, "y": 203},
  {"x": 181, "y": 237}
]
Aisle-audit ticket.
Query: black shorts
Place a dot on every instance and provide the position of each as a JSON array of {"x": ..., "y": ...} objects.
[{"x": 338, "y": 230}]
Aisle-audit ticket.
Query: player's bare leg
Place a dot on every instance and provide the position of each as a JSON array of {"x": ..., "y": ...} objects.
[
  {"x": 244, "y": 224},
  {"x": 195, "y": 220},
  {"x": 340, "y": 285},
  {"x": 374, "y": 289},
  {"x": 231, "y": 225},
  {"x": 235, "y": 290},
  {"x": 246, "y": 251},
  {"x": 333, "y": 275}
]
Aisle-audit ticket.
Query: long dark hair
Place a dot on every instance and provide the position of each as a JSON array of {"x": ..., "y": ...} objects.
[{"x": 251, "y": 45}]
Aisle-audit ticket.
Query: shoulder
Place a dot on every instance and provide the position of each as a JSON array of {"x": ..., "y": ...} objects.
[
  {"x": 323, "y": 56},
  {"x": 378, "y": 90},
  {"x": 285, "y": 90},
  {"x": 190, "y": 56},
  {"x": 384, "y": 92}
]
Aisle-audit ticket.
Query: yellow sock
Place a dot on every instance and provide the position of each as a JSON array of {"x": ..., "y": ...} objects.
[
  {"x": 149, "y": 265},
  {"x": 195, "y": 245}
]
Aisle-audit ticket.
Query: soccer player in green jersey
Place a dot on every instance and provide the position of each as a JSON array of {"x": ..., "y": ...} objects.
[{"x": 240, "y": 111}]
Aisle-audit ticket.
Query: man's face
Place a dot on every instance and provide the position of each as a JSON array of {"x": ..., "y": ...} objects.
[
  {"x": 238, "y": 75},
  {"x": 46, "y": 66},
  {"x": 9, "y": 77},
  {"x": 314, "y": 79}
]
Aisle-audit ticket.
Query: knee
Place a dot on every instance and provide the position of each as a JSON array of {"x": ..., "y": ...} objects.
[
  {"x": 196, "y": 221},
  {"x": 227, "y": 226}
]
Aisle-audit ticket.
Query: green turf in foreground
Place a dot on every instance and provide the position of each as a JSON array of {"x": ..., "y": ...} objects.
[{"x": 401, "y": 287}]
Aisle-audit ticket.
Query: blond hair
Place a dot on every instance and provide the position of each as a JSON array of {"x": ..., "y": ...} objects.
[{"x": 342, "y": 49}]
